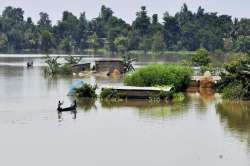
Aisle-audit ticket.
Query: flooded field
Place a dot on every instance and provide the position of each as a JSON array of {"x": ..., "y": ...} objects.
[{"x": 203, "y": 130}]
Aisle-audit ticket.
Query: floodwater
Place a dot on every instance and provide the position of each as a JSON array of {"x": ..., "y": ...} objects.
[{"x": 203, "y": 130}]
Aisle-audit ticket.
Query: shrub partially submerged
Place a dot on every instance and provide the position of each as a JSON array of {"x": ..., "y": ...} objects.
[
  {"x": 161, "y": 75},
  {"x": 235, "y": 83},
  {"x": 201, "y": 58},
  {"x": 52, "y": 71},
  {"x": 87, "y": 91},
  {"x": 54, "y": 68}
]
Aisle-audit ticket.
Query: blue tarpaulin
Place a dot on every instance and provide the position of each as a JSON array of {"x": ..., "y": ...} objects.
[{"x": 77, "y": 84}]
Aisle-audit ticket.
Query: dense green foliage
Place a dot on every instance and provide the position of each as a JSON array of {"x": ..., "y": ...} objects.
[
  {"x": 185, "y": 30},
  {"x": 235, "y": 83},
  {"x": 160, "y": 75},
  {"x": 200, "y": 58},
  {"x": 87, "y": 91}
]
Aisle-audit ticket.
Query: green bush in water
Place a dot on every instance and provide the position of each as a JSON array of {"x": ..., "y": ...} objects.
[
  {"x": 235, "y": 82},
  {"x": 52, "y": 67},
  {"x": 200, "y": 58},
  {"x": 177, "y": 76},
  {"x": 87, "y": 91},
  {"x": 67, "y": 69}
]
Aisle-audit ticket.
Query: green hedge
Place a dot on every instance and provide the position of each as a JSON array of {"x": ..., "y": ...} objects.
[{"x": 177, "y": 76}]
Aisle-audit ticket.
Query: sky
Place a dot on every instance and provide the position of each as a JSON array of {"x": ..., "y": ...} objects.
[{"x": 125, "y": 9}]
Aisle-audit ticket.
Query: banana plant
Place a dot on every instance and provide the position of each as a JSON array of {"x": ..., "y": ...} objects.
[{"x": 128, "y": 63}]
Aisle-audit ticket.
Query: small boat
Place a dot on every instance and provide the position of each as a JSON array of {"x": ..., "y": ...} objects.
[
  {"x": 29, "y": 64},
  {"x": 72, "y": 108}
]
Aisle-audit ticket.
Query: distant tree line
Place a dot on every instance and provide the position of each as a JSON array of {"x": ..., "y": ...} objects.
[{"x": 183, "y": 31}]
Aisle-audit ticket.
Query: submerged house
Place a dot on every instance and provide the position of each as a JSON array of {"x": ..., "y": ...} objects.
[
  {"x": 81, "y": 67},
  {"x": 109, "y": 65}
]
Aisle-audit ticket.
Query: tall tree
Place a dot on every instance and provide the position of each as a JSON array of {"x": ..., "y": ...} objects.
[
  {"x": 83, "y": 31},
  {"x": 46, "y": 41},
  {"x": 243, "y": 44},
  {"x": 185, "y": 30},
  {"x": 106, "y": 13},
  {"x": 172, "y": 31},
  {"x": 68, "y": 28},
  {"x": 3, "y": 42},
  {"x": 158, "y": 44},
  {"x": 44, "y": 22},
  {"x": 142, "y": 22},
  {"x": 146, "y": 44},
  {"x": 121, "y": 44},
  {"x": 93, "y": 41},
  {"x": 15, "y": 14},
  {"x": 66, "y": 45}
]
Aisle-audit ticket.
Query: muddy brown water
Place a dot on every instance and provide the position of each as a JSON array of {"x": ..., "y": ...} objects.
[{"x": 203, "y": 130}]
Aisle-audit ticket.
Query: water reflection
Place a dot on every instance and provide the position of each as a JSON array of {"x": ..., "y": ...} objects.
[
  {"x": 207, "y": 95},
  {"x": 163, "y": 112},
  {"x": 148, "y": 109},
  {"x": 236, "y": 118},
  {"x": 87, "y": 104},
  {"x": 60, "y": 114}
]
